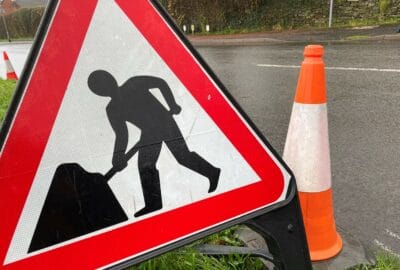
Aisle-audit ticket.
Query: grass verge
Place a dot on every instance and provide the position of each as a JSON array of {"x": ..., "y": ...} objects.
[
  {"x": 357, "y": 37},
  {"x": 187, "y": 258},
  {"x": 343, "y": 24},
  {"x": 367, "y": 22},
  {"x": 6, "y": 91},
  {"x": 384, "y": 261},
  {"x": 21, "y": 40}
]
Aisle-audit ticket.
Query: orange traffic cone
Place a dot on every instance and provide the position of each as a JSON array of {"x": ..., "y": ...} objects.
[
  {"x": 11, "y": 75},
  {"x": 307, "y": 154}
]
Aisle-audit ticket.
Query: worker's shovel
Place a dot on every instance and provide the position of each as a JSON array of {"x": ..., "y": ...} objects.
[{"x": 78, "y": 203}]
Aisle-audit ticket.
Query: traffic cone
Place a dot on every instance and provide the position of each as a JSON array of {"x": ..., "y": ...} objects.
[
  {"x": 11, "y": 75},
  {"x": 307, "y": 154}
]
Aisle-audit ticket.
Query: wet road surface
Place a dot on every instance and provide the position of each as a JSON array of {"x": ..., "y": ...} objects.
[{"x": 363, "y": 83}]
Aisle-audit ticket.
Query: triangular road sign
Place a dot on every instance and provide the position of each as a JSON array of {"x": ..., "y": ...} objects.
[{"x": 121, "y": 144}]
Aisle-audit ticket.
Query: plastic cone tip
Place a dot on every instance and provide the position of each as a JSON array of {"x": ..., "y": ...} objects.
[
  {"x": 311, "y": 87},
  {"x": 313, "y": 51}
]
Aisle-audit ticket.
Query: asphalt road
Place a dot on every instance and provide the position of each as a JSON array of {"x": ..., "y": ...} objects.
[{"x": 364, "y": 120}]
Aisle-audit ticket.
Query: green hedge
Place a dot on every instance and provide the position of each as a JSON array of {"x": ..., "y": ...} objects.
[
  {"x": 223, "y": 15},
  {"x": 22, "y": 24}
]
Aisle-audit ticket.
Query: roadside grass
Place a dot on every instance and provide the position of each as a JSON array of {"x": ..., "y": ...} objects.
[
  {"x": 22, "y": 39},
  {"x": 384, "y": 261},
  {"x": 367, "y": 22},
  {"x": 280, "y": 28},
  {"x": 187, "y": 258},
  {"x": 6, "y": 91},
  {"x": 232, "y": 31},
  {"x": 356, "y": 37},
  {"x": 192, "y": 260}
]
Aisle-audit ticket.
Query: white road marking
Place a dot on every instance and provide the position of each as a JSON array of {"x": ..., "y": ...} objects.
[
  {"x": 277, "y": 66},
  {"x": 335, "y": 68},
  {"x": 393, "y": 234},
  {"x": 385, "y": 248}
]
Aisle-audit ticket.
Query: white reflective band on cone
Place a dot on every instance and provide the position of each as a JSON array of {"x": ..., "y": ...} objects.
[
  {"x": 9, "y": 67},
  {"x": 307, "y": 147}
]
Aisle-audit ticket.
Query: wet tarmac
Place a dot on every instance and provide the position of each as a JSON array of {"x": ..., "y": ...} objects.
[
  {"x": 364, "y": 122},
  {"x": 364, "y": 119}
]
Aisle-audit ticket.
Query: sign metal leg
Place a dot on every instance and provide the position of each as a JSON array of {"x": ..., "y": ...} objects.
[{"x": 283, "y": 230}]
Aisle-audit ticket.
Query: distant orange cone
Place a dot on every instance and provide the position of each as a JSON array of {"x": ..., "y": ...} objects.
[
  {"x": 307, "y": 154},
  {"x": 11, "y": 75}
]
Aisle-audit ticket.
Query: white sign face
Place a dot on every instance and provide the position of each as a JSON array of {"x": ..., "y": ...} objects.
[{"x": 122, "y": 136}]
